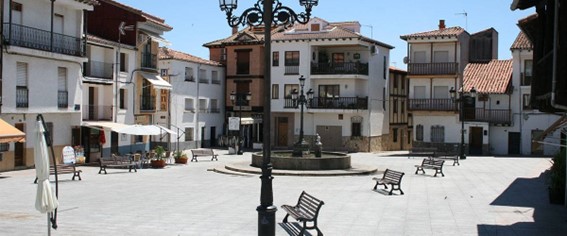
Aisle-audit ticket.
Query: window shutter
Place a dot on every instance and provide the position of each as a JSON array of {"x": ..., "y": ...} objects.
[
  {"x": 22, "y": 74},
  {"x": 62, "y": 79}
]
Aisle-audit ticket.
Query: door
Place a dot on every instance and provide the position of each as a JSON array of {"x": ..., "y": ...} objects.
[
  {"x": 282, "y": 132},
  {"x": 91, "y": 107},
  {"x": 513, "y": 143},
  {"x": 58, "y": 39},
  {"x": 213, "y": 136},
  {"x": 203, "y": 137},
  {"x": 113, "y": 142},
  {"x": 19, "y": 149},
  {"x": 475, "y": 141},
  {"x": 537, "y": 148},
  {"x": 331, "y": 137}
]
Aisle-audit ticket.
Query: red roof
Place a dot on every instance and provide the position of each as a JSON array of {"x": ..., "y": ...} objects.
[
  {"x": 492, "y": 77},
  {"x": 522, "y": 42},
  {"x": 166, "y": 53},
  {"x": 446, "y": 32}
]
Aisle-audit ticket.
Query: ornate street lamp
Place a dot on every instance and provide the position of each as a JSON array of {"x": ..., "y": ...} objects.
[
  {"x": 301, "y": 148},
  {"x": 461, "y": 102},
  {"x": 272, "y": 13},
  {"x": 239, "y": 100}
]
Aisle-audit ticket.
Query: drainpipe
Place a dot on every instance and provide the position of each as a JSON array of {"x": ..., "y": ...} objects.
[{"x": 197, "y": 126}]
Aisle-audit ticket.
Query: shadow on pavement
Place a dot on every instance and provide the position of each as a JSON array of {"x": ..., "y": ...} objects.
[
  {"x": 293, "y": 228},
  {"x": 548, "y": 219}
]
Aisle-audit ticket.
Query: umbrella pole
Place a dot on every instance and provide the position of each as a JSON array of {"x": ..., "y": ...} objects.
[
  {"x": 48, "y": 224},
  {"x": 50, "y": 144}
]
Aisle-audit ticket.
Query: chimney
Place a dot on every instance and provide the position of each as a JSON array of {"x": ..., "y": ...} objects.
[
  {"x": 441, "y": 24},
  {"x": 234, "y": 29}
]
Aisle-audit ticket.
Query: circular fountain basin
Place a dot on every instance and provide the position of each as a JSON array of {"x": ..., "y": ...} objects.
[{"x": 283, "y": 160}]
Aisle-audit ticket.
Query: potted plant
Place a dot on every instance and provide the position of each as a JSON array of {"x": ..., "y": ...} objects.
[
  {"x": 557, "y": 179},
  {"x": 180, "y": 157},
  {"x": 159, "y": 161}
]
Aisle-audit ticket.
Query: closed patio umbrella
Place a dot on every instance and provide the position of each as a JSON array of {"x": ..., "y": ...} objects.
[
  {"x": 140, "y": 130},
  {"x": 46, "y": 199}
]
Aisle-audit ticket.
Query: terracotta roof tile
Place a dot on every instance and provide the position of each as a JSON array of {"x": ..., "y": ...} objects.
[
  {"x": 522, "y": 42},
  {"x": 492, "y": 77},
  {"x": 393, "y": 68},
  {"x": 246, "y": 35},
  {"x": 89, "y": 2},
  {"x": 446, "y": 32},
  {"x": 166, "y": 53}
]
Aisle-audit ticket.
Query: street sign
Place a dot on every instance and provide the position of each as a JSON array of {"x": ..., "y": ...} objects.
[{"x": 234, "y": 123}]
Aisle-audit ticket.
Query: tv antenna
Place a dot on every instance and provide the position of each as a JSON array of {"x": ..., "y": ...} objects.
[
  {"x": 371, "y": 30},
  {"x": 465, "y": 14}
]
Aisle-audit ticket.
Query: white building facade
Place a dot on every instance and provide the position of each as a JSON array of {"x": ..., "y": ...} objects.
[
  {"x": 348, "y": 74},
  {"x": 196, "y": 99}
]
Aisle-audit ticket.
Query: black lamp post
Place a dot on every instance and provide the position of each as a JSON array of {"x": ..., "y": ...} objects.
[
  {"x": 461, "y": 102},
  {"x": 271, "y": 13},
  {"x": 301, "y": 148},
  {"x": 239, "y": 100}
]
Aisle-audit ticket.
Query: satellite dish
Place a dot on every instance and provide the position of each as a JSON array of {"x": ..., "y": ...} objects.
[{"x": 406, "y": 60}]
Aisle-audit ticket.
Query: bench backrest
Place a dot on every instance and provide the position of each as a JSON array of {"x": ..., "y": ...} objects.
[
  {"x": 202, "y": 152},
  {"x": 393, "y": 175},
  {"x": 432, "y": 162},
  {"x": 309, "y": 205}
]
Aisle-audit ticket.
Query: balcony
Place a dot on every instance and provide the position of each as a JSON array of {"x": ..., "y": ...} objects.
[
  {"x": 149, "y": 60},
  {"x": 62, "y": 99},
  {"x": 28, "y": 37},
  {"x": 97, "y": 113},
  {"x": 98, "y": 69},
  {"x": 492, "y": 116},
  {"x": 147, "y": 103},
  {"x": 347, "y": 68},
  {"x": 436, "y": 104},
  {"x": 447, "y": 68},
  {"x": 343, "y": 103},
  {"x": 22, "y": 97}
]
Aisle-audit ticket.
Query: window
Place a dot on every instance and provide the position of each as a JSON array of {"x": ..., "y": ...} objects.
[
  {"x": 329, "y": 91},
  {"x": 338, "y": 58},
  {"x": 527, "y": 76},
  {"x": 419, "y": 133},
  {"x": 384, "y": 99},
  {"x": 419, "y": 92},
  {"x": 163, "y": 99},
  {"x": 440, "y": 56},
  {"x": 356, "y": 130},
  {"x": 526, "y": 101},
  {"x": 139, "y": 138},
  {"x": 123, "y": 99},
  {"x": 275, "y": 91},
  {"x": 403, "y": 107},
  {"x": 385, "y": 68},
  {"x": 395, "y": 106},
  {"x": 22, "y": 85},
  {"x": 395, "y": 80},
  {"x": 215, "y": 106},
  {"x": 292, "y": 63},
  {"x": 62, "y": 94},
  {"x": 418, "y": 57},
  {"x": 315, "y": 27},
  {"x": 437, "y": 134},
  {"x": 243, "y": 62},
  {"x": 188, "y": 134},
  {"x": 123, "y": 62},
  {"x": 189, "y": 105},
  {"x": 441, "y": 92},
  {"x": 215, "y": 77},
  {"x": 395, "y": 135},
  {"x": 288, "y": 88},
  {"x": 275, "y": 58},
  {"x": 203, "y": 105},
  {"x": 189, "y": 74},
  {"x": 203, "y": 76},
  {"x": 4, "y": 147}
]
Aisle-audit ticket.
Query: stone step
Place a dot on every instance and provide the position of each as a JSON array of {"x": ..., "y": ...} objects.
[{"x": 224, "y": 170}]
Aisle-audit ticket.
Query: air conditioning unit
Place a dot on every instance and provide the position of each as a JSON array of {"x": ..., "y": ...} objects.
[
  {"x": 373, "y": 49},
  {"x": 406, "y": 60}
]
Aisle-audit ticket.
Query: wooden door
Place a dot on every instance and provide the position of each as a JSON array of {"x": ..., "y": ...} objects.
[
  {"x": 282, "y": 132},
  {"x": 19, "y": 149},
  {"x": 331, "y": 137},
  {"x": 475, "y": 141},
  {"x": 513, "y": 143}
]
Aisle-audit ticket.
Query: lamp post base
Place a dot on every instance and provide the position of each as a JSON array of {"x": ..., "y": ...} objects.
[
  {"x": 301, "y": 149},
  {"x": 266, "y": 220}
]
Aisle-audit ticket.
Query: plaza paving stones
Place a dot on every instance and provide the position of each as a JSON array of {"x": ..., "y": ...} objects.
[{"x": 483, "y": 196}]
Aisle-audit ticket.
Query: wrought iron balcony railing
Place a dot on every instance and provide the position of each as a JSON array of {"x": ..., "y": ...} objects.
[
  {"x": 98, "y": 69},
  {"x": 97, "y": 113},
  {"x": 28, "y": 37},
  {"x": 446, "y": 68},
  {"x": 62, "y": 99},
  {"x": 22, "y": 97},
  {"x": 434, "y": 104},
  {"x": 147, "y": 103},
  {"x": 149, "y": 60},
  {"x": 492, "y": 116},
  {"x": 292, "y": 70},
  {"x": 343, "y": 103},
  {"x": 353, "y": 68}
]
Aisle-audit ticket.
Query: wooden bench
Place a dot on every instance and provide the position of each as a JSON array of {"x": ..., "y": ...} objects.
[
  {"x": 391, "y": 177},
  {"x": 116, "y": 162},
  {"x": 306, "y": 210},
  {"x": 448, "y": 156},
  {"x": 203, "y": 152},
  {"x": 422, "y": 152},
  {"x": 431, "y": 163},
  {"x": 64, "y": 169}
]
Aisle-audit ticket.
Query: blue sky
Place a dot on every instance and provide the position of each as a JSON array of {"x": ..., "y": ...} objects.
[{"x": 196, "y": 22}]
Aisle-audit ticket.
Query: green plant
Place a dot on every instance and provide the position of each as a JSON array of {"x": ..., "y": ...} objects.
[
  {"x": 160, "y": 153},
  {"x": 179, "y": 154},
  {"x": 557, "y": 174}
]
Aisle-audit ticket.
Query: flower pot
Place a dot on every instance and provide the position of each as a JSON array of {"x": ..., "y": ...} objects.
[
  {"x": 157, "y": 163},
  {"x": 181, "y": 160}
]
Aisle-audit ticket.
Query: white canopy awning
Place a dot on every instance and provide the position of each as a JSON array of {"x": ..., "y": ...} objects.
[
  {"x": 106, "y": 125},
  {"x": 166, "y": 130},
  {"x": 156, "y": 81},
  {"x": 157, "y": 38}
]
